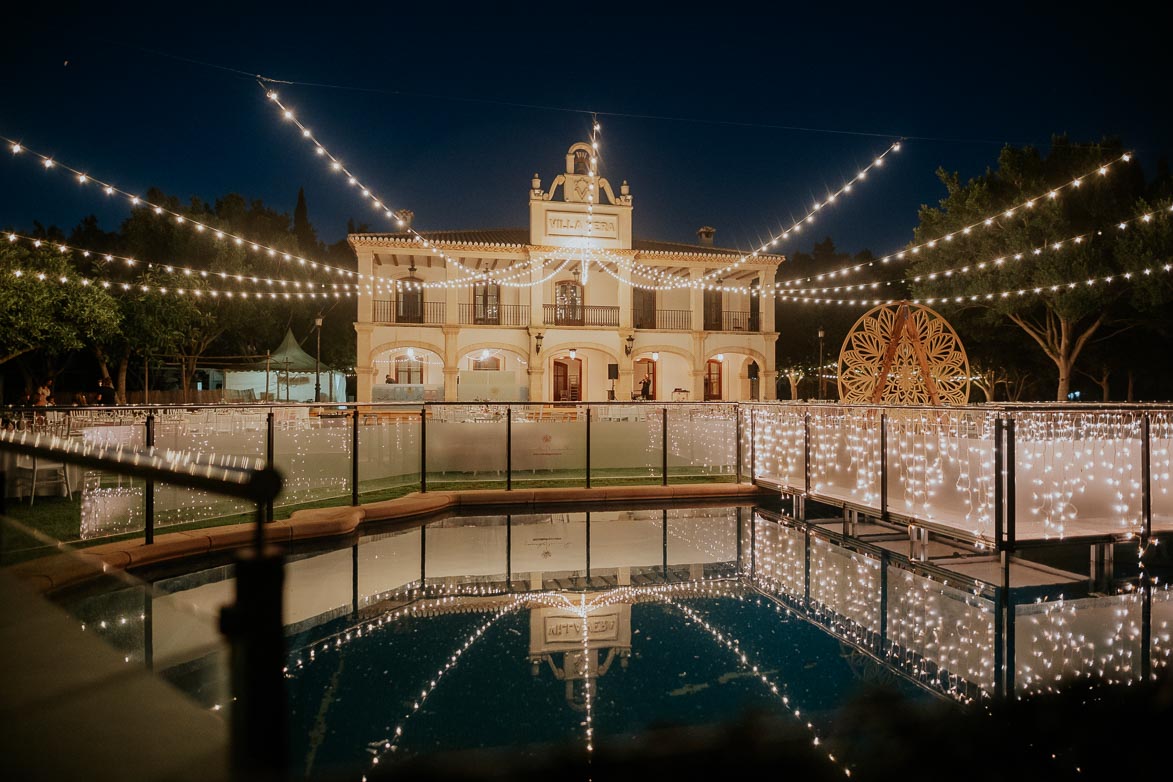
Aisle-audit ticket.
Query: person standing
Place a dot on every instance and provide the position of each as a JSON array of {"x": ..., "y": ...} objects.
[
  {"x": 105, "y": 392},
  {"x": 645, "y": 387}
]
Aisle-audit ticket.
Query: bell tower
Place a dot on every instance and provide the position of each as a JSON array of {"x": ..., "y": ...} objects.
[{"x": 569, "y": 221}]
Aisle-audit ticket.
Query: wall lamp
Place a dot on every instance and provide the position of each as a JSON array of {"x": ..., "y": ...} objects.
[
  {"x": 538, "y": 342},
  {"x": 629, "y": 345}
]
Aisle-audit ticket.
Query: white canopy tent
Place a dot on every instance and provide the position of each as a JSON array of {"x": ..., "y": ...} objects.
[{"x": 286, "y": 375}]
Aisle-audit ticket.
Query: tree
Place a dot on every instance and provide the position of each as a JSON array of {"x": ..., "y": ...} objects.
[
  {"x": 1060, "y": 320},
  {"x": 38, "y": 311}
]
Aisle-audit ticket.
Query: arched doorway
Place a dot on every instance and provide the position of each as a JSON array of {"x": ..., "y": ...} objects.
[
  {"x": 568, "y": 380},
  {"x": 713, "y": 380},
  {"x": 645, "y": 367}
]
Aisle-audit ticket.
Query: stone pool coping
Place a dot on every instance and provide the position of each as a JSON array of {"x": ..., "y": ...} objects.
[{"x": 63, "y": 570}]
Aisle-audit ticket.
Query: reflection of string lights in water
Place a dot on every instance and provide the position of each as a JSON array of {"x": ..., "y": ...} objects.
[
  {"x": 734, "y": 646},
  {"x": 390, "y": 744}
]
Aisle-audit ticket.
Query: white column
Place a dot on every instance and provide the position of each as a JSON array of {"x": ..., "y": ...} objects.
[{"x": 766, "y": 283}]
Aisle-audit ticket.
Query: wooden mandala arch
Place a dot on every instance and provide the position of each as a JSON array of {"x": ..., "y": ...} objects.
[{"x": 903, "y": 354}]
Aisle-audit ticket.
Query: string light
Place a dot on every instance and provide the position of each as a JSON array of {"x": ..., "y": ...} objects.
[
  {"x": 994, "y": 263},
  {"x": 1000, "y": 295},
  {"x": 985, "y": 222},
  {"x": 194, "y": 224},
  {"x": 111, "y": 258},
  {"x": 178, "y": 290},
  {"x": 376, "y": 201},
  {"x": 797, "y": 226}
]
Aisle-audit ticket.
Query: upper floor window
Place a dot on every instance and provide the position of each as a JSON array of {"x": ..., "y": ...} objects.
[
  {"x": 486, "y": 303},
  {"x": 568, "y": 303},
  {"x": 409, "y": 303}
]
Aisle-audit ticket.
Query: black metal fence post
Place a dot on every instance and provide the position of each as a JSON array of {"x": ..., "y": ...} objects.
[
  {"x": 1011, "y": 470},
  {"x": 423, "y": 449},
  {"x": 588, "y": 469},
  {"x": 884, "y": 466},
  {"x": 999, "y": 485},
  {"x": 149, "y": 490},
  {"x": 806, "y": 453},
  {"x": 270, "y": 454},
  {"x": 737, "y": 439},
  {"x": 509, "y": 448},
  {"x": 753, "y": 447},
  {"x": 1146, "y": 487},
  {"x": 354, "y": 458},
  {"x": 259, "y": 732},
  {"x": 664, "y": 435}
]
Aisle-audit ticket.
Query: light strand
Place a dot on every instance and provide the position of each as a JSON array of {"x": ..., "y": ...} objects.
[
  {"x": 49, "y": 163},
  {"x": 985, "y": 222},
  {"x": 1000, "y": 261},
  {"x": 379, "y": 203}
]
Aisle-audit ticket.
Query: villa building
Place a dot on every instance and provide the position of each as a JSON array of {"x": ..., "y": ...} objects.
[{"x": 577, "y": 309}]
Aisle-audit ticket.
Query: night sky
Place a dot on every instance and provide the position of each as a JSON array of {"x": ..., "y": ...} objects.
[{"x": 451, "y": 115}]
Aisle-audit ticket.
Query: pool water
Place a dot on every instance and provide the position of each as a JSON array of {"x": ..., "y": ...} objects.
[{"x": 584, "y": 631}]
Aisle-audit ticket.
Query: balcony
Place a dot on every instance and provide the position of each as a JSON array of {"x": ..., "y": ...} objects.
[
  {"x": 571, "y": 315},
  {"x": 730, "y": 320},
  {"x": 664, "y": 319},
  {"x": 501, "y": 315},
  {"x": 429, "y": 313}
]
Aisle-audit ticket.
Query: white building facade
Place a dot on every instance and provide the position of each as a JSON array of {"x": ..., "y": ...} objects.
[{"x": 575, "y": 309}]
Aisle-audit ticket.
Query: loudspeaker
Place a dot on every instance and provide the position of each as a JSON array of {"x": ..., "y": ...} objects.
[{"x": 612, "y": 371}]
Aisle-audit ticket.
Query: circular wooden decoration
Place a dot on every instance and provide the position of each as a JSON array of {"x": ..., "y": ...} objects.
[{"x": 903, "y": 354}]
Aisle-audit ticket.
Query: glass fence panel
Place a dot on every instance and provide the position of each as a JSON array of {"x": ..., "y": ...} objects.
[
  {"x": 941, "y": 634},
  {"x": 388, "y": 452},
  {"x": 312, "y": 453},
  {"x": 1077, "y": 473},
  {"x": 549, "y": 445},
  {"x": 941, "y": 468},
  {"x": 1161, "y": 465},
  {"x": 778, "y": 444},
  {"x": 702, "y": 442},
  {"x": 845, "y": 454},
  {"x": 69, "y": 502},
  {"x": 236, "y": 434},
  {"x": 467, "y": 443},
  {"x": 626, "y": 443}
]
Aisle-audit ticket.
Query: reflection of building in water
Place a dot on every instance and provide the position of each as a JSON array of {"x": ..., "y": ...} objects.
[{"x": 577, "y": 648}]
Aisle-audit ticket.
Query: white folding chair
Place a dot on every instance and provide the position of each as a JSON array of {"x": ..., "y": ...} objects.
[{"x": 33, "y": 469}]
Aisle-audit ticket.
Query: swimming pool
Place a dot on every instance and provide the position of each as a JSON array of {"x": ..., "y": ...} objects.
[{"x": 585, "y": 630}]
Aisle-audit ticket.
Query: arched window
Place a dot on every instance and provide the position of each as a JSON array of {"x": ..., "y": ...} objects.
[
  {"x": 582, "y": 163},
  {"x": 568, "y": 300},
  {"x": 486, "y": 303},
  {"x": 409, "y": 303},
  {"x": 712, "y": 380},
  {"x": 644, "y": 367}
]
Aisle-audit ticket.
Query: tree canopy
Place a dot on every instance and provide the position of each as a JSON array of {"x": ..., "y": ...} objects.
[{"x": 1042, "y": 266}]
